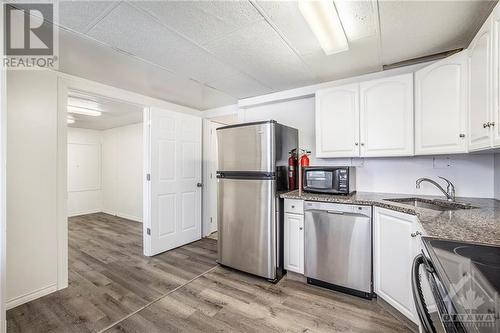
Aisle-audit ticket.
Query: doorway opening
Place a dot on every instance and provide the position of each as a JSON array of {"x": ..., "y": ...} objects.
[
  {"x": 211, "y": 163},
  {"x": 105, "y": 156}
]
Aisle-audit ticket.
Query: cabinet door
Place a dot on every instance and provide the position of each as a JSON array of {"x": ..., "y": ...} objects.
[
  {"x": 495, "y": 127},
  {"x": 480, "y": 89},
  {"x": 294, "y": 243},
  {"x": 387, "y": 116},
  {"x": 393, "y": 253},
  {"x": 337, "y": 121},
  {"x": 440, "y": 106}
]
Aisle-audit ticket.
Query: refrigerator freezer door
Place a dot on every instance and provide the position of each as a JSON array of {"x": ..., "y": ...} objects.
[
  {"x": 247, "y": 148},
  {"x": 247, "y": 228}
]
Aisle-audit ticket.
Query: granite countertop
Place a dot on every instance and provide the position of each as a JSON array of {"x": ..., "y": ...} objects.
[{"x": 479, "y": 224}]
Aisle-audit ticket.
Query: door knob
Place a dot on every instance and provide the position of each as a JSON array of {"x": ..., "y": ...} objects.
[{"x": 199, "y": 185}]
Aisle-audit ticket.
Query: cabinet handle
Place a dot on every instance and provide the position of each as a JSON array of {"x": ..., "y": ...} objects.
[
  {"x": 362, "y": 144},
  {"x": 300, "y": 228},
  {"x": 356, "y": 144},
  {"x": 462, "y": 135},
  {"x": 293, "y": 206},
  {"x": 485, "y": 125},
  {"x": 416, "y": 233},
  {"x": 492, "y": 124}
]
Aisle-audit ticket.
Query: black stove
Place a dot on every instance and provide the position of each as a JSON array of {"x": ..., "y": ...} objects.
[{"x": 465, "y": 283}]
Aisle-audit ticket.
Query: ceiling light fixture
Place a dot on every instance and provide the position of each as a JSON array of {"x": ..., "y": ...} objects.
[
  {"x": 324, "y": 21},
  {"x": 83, "y": 103},
  {"x": 84, "y": 111},
  {"x": 70, "y": 121}
]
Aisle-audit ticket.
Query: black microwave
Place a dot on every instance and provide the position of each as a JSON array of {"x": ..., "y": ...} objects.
[{"x": 332, "y": 180}]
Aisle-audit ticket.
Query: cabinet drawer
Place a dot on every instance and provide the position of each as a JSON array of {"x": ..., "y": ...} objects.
[{"x": 294, "y": 206}]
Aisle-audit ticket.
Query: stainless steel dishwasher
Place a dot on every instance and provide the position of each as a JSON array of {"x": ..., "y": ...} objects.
[{"x": 338, "y": 247}]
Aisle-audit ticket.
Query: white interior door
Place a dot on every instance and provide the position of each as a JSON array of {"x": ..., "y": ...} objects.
[
  {"x": 212, "y": 186},
  {"x": 173, "y": 199}
]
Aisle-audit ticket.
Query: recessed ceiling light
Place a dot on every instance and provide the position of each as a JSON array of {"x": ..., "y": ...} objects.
[
  {"x": 324, "y": 22},
  {"x": 84, "y": 111},
  {"x": 70, "y": 121}
]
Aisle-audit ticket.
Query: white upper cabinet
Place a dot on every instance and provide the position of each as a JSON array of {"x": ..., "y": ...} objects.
[
  {"x": 479, "y": 88},
  {"x": 494, "y": 123},
  {"x": 440, "y": 106},
  {"x": 387, "y": 116},
  {"x": 337, "y": 121}
]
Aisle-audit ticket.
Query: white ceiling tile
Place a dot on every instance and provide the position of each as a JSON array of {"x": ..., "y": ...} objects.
[
  {"x": 260, "y": 51},
  {"x": 288, "y": 19},
  {"x": 81, "y": 15},
  {"x": 411, "y": 29},
  {"x": 240, "y": 86},
  {"x": 88, "y": 59},
  {"x": 203, "y": 21},
  {"x": 213, "y": 98},
  {"x": 363, "y": 57},
  {"x": 135, "y": 32},
  {"x": 359, "y": 18}
]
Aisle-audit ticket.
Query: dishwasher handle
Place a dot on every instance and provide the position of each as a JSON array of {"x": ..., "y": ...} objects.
[
  {"x": 338, "y": 212},
  {"x": 335, "y": 212}
]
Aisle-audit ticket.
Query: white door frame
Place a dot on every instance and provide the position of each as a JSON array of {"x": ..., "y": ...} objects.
[
  {"x": 3, "y": 191},
  {"x": 68, "y": 82}
]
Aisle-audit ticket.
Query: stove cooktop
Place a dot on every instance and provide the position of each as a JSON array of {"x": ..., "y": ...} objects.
[{"x": 470, "y": 275}]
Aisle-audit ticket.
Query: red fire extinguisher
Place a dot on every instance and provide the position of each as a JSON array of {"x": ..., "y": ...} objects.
[
  {"x": 304, "y": 162},
  {"x": 304, "y": 159},
  {"x": 292, "y": 169}
]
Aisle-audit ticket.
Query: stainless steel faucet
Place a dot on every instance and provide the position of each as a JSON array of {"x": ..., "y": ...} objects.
[{"x": 450, "y": 188}]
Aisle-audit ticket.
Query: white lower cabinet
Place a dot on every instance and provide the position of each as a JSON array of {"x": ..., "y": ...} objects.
[
  {"x": 294, "y": 243},
  {"x": 395, "y": 244}
]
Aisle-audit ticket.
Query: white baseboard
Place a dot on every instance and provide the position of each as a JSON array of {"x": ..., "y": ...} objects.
[
  {"x": 130, "y": 217},
  {"x": 92, "y": 211},
  {"x": 16, "y": 301},
  {"x": 125, "y": 216}
]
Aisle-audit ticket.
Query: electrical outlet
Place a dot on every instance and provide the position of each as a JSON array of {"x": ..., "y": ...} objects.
[{"x": 442, "y": 162}]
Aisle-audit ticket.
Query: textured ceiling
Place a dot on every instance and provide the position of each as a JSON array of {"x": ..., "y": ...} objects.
[
  {"x": 205, "y": 54},
  {"x": 114, "y": 113}
]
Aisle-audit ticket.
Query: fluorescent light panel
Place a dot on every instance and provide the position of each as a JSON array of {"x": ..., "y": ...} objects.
[
  {"x": 84, "y": 111},
  {"x": 324, "y": 22},
  {"x": 83, "y": 103}
]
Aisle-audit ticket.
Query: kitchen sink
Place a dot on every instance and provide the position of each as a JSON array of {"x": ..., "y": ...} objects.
[{"x": 439, "y": 205}]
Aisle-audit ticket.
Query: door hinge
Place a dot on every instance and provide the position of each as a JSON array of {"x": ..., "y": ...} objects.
[
  {"x": 148, "y": 177},
  {"x": 148, "y": 231}
]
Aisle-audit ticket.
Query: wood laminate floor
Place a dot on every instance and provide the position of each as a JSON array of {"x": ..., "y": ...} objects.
[{"x": 114, "y": 288}]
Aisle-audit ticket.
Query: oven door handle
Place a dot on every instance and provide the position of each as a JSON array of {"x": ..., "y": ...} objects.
[{"x": 418, "y": 296}]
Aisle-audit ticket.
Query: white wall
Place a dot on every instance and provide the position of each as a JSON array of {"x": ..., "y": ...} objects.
[
  {"x": 32, "y": 255},
  {"x": 36, "y": 177},
  {"x": 497, "y": 176},
  {"x": 385, "y": 174},
  {"x": 84, "y": 171},
  {"x": 122, "y": 171}
]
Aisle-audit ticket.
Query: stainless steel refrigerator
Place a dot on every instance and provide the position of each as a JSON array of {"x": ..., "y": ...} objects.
[{"x": 252, "y": 163}]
